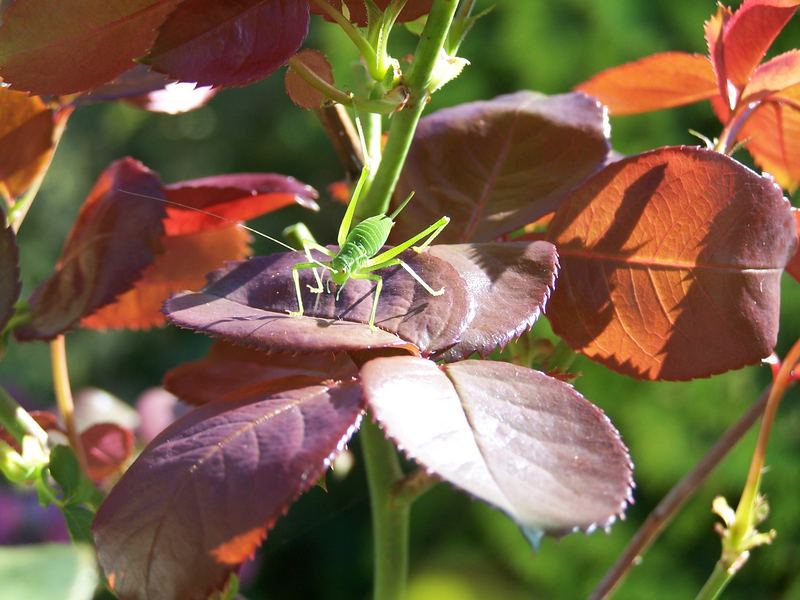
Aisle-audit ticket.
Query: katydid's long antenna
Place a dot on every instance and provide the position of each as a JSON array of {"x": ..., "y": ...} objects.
[
  {"x": 396, "y": 212},
  {"x": 210, "y": 214}
]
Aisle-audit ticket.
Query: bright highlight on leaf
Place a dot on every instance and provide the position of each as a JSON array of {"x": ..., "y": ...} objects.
[
  {"x": 520, "y": 440},
  {"x": 671, "y": 264}
]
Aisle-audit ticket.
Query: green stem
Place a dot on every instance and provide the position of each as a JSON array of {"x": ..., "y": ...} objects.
[
  {"x": 389, "y": 520},
  {"x": 367, "y": 51},
  {"x": 63, "y": 392},
  {"x": 404, "y": 123},
  {"x": 717, "y": 581},
  {"x": 318, "y": 83},
  {"x": 17, "y": 421}
]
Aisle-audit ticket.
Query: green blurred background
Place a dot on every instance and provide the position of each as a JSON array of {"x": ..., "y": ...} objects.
[{"x": 461, "y": 549}]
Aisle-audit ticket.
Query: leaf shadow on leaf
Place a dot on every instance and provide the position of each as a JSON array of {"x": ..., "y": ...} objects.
[
  {"x": 744, "y": 300},
  {"x": 626, "y": 219}
]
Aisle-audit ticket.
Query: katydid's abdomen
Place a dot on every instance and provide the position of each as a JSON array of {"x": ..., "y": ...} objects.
[{"x": 362, "y": 243}]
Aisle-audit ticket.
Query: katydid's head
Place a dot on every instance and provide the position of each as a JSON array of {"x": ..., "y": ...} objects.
[{"x": 340, "y": 277}]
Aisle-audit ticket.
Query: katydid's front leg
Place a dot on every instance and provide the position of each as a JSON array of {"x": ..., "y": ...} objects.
[
  {"x": 296, "y": 278},
  {"x": 378, "y": 287},
  {"x": 307, "y": 248}
]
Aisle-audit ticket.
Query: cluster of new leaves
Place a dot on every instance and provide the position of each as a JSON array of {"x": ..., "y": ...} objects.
[{"x": 762, "y": 101}]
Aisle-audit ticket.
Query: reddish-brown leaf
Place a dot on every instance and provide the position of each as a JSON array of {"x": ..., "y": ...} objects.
[
  {"x": 772, "y": 136},
  {"x": 107, "y": 447},
  {"x": 248, "y": 304},
  {"x": 414, "y": 9},
  {"x": 302, "y": 93},
  {"x": 496, "y": 166},
  {"x": 26, "y": 141},
  {"x": 748, "y": 34},
  {"x": 525, "y": 442},
  {"x": 714, "y": 28},
  {"x": 231, "y": 372},
  {"x": 182, "y": 265},
  {"x": 509, "y": 285},
  {"x": 659, "y": 81},
  {"x": 69, "y": 46},
  {"x": 671, "y": 263},
  {"x": 115, "y": 237},
  {"x": 10, "y": 285},
  {"x": 793, "y": 268},
  {"x": 229, "y": 43},
  {"x": 234, "y": 197},
  {"x": 202, "y": 496},
  {"x": 773, "y": 76}
]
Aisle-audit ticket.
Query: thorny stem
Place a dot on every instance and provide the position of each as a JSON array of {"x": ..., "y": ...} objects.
[
  {"x": 741, "y": 533},
  {"x": 745, "y": 510},
  {"x": 63, "y": 392},
  {"x": 676, "y": 498},
  {"x": 404, "y": 123},
  {"x": 389, "y": 519}
]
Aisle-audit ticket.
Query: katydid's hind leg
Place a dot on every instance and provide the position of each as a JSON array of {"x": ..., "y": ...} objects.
[
  {"x": 378, "y": 287},
  {"x": 419, "y": 279},
  {"x": 438, "y": 227},
  {"x": 296, "y": 278}
]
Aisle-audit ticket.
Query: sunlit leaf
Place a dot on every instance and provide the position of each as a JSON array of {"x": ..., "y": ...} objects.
[
  {"x": 231, "y": 372},
  {"x": 248, "y": 304},
  {"x": 182, "y": 265},
  {"x": 10, "y": 285},
  {"x": 750, "y": 32},
  {"x": 26, "y": 141},
  {"x": 671, "y": 263},
  {"x": 236, "y": 197},
  {"x": 298, "y": 90},
  {"x": 68, "y": 46},
  {"x": 203, "y": 495},
  {"x": 772, "y": 136},
  {"x": 496, "y": 166},
  {"x": 229, "y": 43},
  {"x": 414, "y": 9},
  {"x": 773, "y": 76},
  {"x": 524, "y": 442},
  {"x": 659, "y": 81},
  {"x": 508, "y": 284},
  {"x": 115, "y": 237}
]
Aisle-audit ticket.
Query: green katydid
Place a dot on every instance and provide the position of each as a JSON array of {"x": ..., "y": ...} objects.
[{"x": 359, "y": 253}]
